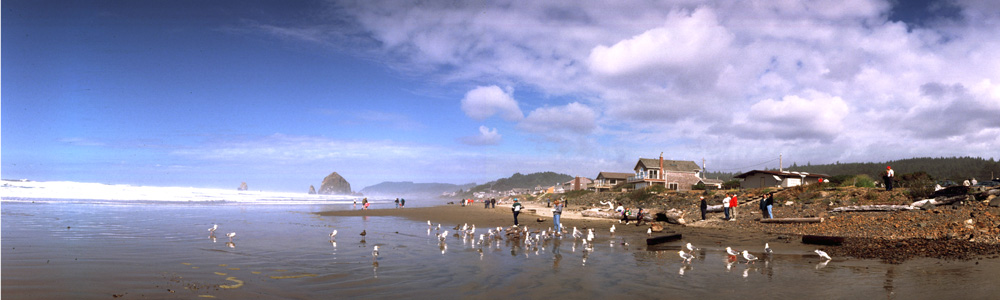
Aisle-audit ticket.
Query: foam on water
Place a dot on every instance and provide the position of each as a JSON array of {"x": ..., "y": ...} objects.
[{"x": 14, "y": 191}]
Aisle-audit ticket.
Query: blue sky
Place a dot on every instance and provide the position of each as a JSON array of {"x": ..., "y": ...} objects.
[{"x": 213, "y": 93}]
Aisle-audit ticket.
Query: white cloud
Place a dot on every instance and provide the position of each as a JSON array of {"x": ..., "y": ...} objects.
[
  {"x": 573, "y": 117},
  {"x": 485, "y": 101},
  {"x": 486, "y": 136},
  {"x": 819, "y": 116}
]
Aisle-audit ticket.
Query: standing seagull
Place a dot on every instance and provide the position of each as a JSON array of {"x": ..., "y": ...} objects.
[
  {"x": 767, "y": 249},
  {"x": 230, "y": 236},
  {"x": 730, "y": 251},
  {"x": 686, "y": 256},
  {"x": 649, "y": 231},
  {"x": 214, "y": 227},
  {"x": 612, "y": 229},
  {"x": 375, "y": 254},
  {"x": 364, "y": 232},
  {"x": 823, "y": 254},
  {"x": 333, "y": 234},
  {"x": 429, "y": 223},
  {"x": 690, "y": 247},
  {"x": 749, "y": 257}
]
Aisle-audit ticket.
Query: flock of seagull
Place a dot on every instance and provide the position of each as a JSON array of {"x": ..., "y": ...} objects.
[{"x": 537, "y": 239}]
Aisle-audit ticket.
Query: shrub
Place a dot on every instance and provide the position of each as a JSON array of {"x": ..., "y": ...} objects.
[
  {"x": 859, "y": 181},
  {"x": 732, "y": 184}
]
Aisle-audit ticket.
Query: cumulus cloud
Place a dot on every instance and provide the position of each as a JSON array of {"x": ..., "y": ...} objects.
[
  {"x": 837, "y": 78},
  {"x": 485, "y": 101},
  {"x": 812, "y": 116},
  {"x": 574, "y": 117},
  {"x": 486, "y": 136}
]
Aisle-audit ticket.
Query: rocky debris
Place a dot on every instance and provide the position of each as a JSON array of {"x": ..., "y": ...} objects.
[
  {"x": 243, "y": 187},
  {"x": 334, "y": 184},
  {"x": 312, "y": 190}
]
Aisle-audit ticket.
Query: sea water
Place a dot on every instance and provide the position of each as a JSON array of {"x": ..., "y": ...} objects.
[{"x": 87, "y": 248}]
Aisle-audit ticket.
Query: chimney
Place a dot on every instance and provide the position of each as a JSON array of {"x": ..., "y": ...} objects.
[
  {"x": 576, "y": 183},
  {"x": 661, "y": 166}
]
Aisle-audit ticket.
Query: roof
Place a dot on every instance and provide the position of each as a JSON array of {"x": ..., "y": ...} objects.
[
  {"x": 614, "y": 175},
  {"x": 712, "y": 181},
  {"x": 783, "y": 174},
  {"x": 669, "y": 165}
]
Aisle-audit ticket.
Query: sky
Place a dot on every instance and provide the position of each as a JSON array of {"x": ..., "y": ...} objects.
[{"x": 279, "y": 94}]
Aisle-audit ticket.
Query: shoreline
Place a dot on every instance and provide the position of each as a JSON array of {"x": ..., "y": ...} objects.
[{"x": 714, "y": 233}]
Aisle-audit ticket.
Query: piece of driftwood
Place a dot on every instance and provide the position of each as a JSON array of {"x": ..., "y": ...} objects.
[
  {"x": 822, "y": 240},
  {"x": 663, "y": 239},
  {"x": 881, "y": 207},
  {"x": 792, "y": 220}
]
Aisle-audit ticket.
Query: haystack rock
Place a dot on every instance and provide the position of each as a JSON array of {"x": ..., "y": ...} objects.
[
  {"x": 335, "y": 185},
  {"x": 312, "y": 189}
]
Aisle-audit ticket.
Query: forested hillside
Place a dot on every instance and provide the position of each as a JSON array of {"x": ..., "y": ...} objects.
[
  {"x": 956, "y": 169},
  {"x": 519, "y": 180}
]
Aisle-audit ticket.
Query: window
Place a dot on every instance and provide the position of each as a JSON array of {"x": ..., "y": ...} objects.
[{"x": 672, "y": 186}]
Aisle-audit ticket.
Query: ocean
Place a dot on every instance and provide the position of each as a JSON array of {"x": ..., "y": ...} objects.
[{"x": 60, "y": 248}]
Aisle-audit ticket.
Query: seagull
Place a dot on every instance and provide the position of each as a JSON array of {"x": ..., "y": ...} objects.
[
  {"x": 590, "y": 234},
  {"x": 375, "y": 253},
  {"x": 690, "y": 247},
  {"x": 649, "y": 231},
  {"x": 443, "y": 235},
  {"x": 823, "y": 254},
  {"x": 429, "y": 223},
  {"x": 364, "y": 232},
  {"x": 767, "y": 249},
  {"x": 214, "y": 227},
  {"x": 731, "y": 252},
  {"x": 749, "y": 257},
  {"x": 230, "y": 235},
  {"x": 333, "y": 234},
  {"x": 686, "y": 256},
  {"x": 612, "y": 229}
]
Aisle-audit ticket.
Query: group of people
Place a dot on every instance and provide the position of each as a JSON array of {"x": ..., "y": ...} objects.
[
  {"x": 400, "y": 202},
  {"x": 490, "y": 202},
  {"x": 730, "y": 202},
  {"x": 557, "y": 210}
]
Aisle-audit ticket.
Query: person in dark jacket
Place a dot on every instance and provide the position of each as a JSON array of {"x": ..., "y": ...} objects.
[
  {"x": 704, "y": 207},
  {"x": 763, "y": 206}
]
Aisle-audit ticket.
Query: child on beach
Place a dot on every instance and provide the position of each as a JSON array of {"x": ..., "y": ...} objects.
[{"x": 556, "y": 213}]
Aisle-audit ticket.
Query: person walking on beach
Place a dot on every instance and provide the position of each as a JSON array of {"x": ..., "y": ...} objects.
[
  {"x": 364, "y": 203},
  {"x": 704, "y": 207},
  {"x": 556, "y": 213},
  {"x": 639, "y": 217},
  {"x": 889, "y": 176},
  {"x": 725, "y": 205},
  {"x": 486, "y": 203},
  {"x": 402, "y": 202},
  {"x": 397, "y": 202},
  {"x": 493, "y": 202},
  {"x": 763, "y": 206},
  {"x": 770, "y": 204},
  {"x": 516, "y": 208}
]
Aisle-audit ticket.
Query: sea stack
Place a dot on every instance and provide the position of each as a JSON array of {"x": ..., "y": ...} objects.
[
  {"x": 312, "y": 189},
  {"x": 334, "y": 184}
]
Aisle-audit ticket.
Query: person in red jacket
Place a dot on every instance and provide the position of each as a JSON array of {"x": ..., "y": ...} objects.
[{"x": 732, "y": 207}]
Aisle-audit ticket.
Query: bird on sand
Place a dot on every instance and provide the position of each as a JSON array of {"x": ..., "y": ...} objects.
[
  {"x": 590, "y": 234},
  {"x": 231, "y": 235},
  {"x": 333, "y": 234},
  {"x": 364, "y": 232},
  {"x": 429, "y": 223},
  {"x": 823, "y": 254},
  {"x": 375, "y": 253},
  {"x": 686, "y": 256},
  {"x": 730, "y": 251},
  {"x": 690, "y": 247},
  {"x": 214, "y": 227},
  {"x": 612, "y": 229},
  {"x": 649, "y": 231},
  {"x": 749, "y": 257},
  {"x": 767, "y": 249}
]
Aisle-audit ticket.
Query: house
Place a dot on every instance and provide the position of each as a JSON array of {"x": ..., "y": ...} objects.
[
  {"x": 578, "y": 183},
  {"x": 712, "y": 184},
  {"x": 676, "y": 175},
  {"x": 763, "y": 178},
  {"x": 606, "y": 180}
]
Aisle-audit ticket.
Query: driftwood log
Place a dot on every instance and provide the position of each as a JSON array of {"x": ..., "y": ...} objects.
[
  {"x": 873, "y": 208},
  {"x": 792, "y": 220},
  {"x": 822, "y": 240},
  {"x": 673, "y": 216},
  {"x": 663, "y": 239}
]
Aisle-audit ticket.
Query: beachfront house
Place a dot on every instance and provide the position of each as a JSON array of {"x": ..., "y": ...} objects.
[
  {"x": 606, "y": 180},
  {"x": 712, "y": 184},
  {"x": 576, "y": 184},
  {"x": 675, "y": 175},
  {"x": 764, "y": 178}
]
